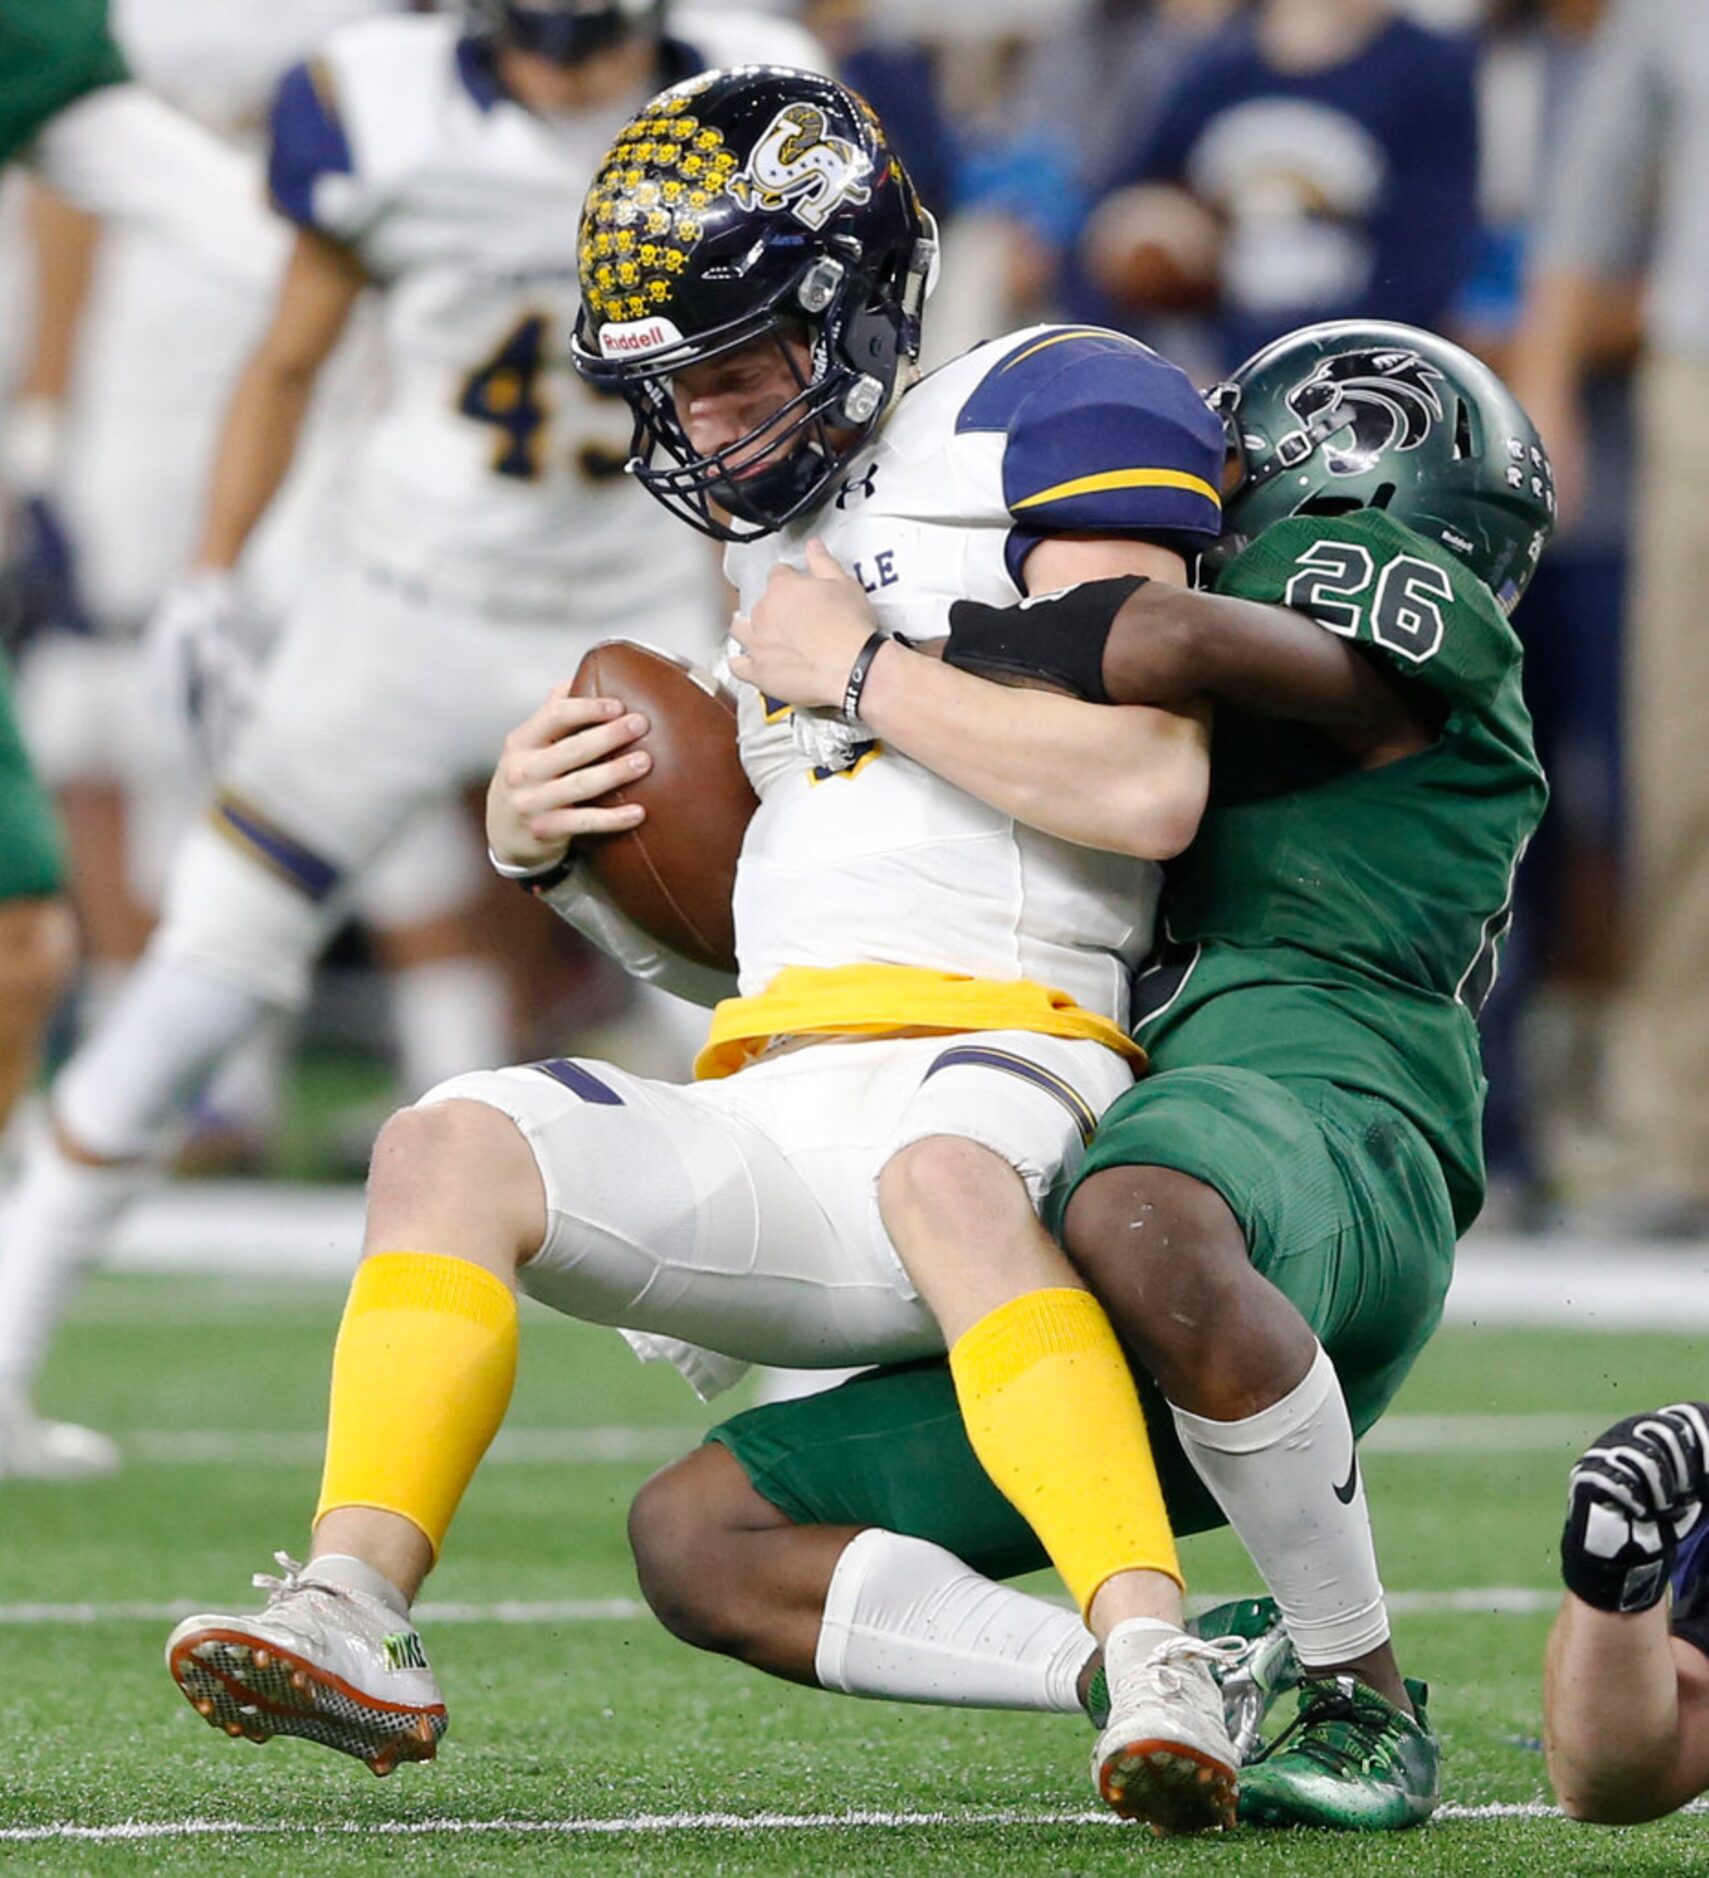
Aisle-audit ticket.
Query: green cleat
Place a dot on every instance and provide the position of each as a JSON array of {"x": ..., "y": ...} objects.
[{"x": 1349, "y": 1759}]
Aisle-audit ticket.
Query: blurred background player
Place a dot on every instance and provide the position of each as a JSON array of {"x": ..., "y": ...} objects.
[
  {"x": 67, "y": 106},
  {"x": 487, "y": 539},
  {"x": 115, "y": 409},
  {"x": 1626, "y": 1693}
]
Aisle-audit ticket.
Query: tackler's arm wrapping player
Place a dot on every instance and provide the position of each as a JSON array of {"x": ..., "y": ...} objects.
[
  {"x": 1626, "y": 1691},
  {"x": 1270, "y": 1216}
]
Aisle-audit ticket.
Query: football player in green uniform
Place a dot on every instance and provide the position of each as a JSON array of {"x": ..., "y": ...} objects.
[
  {"x": 1270, "y": 1216},
  {"x": 67, "y": 109}
]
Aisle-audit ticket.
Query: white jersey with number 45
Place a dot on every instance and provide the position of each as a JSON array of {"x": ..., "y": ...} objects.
[{"x": 490, "y": 473}]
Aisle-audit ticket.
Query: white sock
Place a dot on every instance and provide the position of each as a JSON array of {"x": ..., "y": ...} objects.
[
  {"x": 55, "y": 1221},
  {"x": 243, "y": 1093},
  {"x": 1278, "y": 1475},
  {"x": 908, "y": 1621},
  {"x": 1129, "y": 1646},
  {"x": 135, "y": 1078},
  {"x": 449, "y": 1017},
  {"x": 118, "y": 1098},
  {"x": 353, "y": 1574}
]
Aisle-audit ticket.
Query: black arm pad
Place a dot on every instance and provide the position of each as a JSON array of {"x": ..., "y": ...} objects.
[{"x": 1055, "y": 636}]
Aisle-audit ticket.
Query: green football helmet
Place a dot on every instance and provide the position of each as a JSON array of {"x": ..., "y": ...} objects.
[{"x": 1357, "y": 414}]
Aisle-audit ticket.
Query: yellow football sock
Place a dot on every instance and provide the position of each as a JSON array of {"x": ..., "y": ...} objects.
[
  {"x": 1054, "y": 1417},
  {"x": 421, "y": 1378}
]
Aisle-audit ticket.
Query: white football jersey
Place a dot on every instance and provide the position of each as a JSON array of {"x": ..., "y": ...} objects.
[
  {"x": 491, "y": 473},
  {"x": 879, "y": 860},
  {"x": 220, "y": 59}
]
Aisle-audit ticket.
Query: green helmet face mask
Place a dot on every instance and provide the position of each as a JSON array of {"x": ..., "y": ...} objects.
[{"x": 1355, "y": 414}]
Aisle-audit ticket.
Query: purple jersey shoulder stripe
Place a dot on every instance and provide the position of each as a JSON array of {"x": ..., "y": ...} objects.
[{"x": 579, "y": 1079}]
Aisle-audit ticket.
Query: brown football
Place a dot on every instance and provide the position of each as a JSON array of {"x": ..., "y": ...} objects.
[{"x": 674, "y": 875}]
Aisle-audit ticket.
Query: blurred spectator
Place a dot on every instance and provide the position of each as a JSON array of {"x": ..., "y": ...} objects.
[
  {"x": 1566, "y": 930},
  {"x": 1636, "y": 165},
  {"x": 1317, "y": 160},
  {"x": 1083, "y": 99},
  {"x": 894, "y": 73}
]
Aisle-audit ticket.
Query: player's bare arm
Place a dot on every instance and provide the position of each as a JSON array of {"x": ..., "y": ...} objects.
[
  {"x": 316, "y": 297},
  {"x": 1131, "y": 781},
  {"x": 1166, "y": 646},
  {"x": 1626, "y": 1685}
]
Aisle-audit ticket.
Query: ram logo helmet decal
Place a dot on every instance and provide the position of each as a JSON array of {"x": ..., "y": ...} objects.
[
  {"x": 1358, "y": 405},
  {"x": 801, "y": 166}
]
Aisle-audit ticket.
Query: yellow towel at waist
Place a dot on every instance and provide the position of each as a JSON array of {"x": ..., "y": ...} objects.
[{"x": 874, "y": 1000}]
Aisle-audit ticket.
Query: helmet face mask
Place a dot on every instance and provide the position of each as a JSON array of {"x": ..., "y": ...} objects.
[
  {"x": 759, "y": 203},
  {"x": 1359, "y": 414}
]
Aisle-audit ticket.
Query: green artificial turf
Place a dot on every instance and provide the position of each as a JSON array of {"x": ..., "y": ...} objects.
[{"x": 591, "y": 1740}]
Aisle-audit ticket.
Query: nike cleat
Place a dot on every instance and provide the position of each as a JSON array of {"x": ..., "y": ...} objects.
[
  {"x": 1165, "y": 1755},
  {"x": 1349, "y": 1759},
  {"x": 333, "y": 1665}
]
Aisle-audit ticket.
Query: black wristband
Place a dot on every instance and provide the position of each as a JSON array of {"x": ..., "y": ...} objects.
[
  {"x": 858, "y": 671},
  {"x": 1059, "y": 637},
  {"x": 548, "y": 878}
]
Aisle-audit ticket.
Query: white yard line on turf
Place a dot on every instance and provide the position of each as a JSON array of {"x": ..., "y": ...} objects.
[
  {"x": 218, "y": 1447},
  {"x": 132, "y": 1829},
  {"x": 1487, "y": 1601}
]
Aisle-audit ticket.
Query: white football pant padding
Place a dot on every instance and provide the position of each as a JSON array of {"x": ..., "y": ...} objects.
[
  {"x": 447, "y": 1018},
  {"x": 57, "y": 1218},
  {"x": 741, "y": 1215},
  {"x": 234, "y": 920},
  {"x": 909, "y": 1622},
  {"x": 1278, "y": 1475}
]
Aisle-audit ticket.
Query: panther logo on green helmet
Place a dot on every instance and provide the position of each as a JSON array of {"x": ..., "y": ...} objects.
[{"x": 1361, "y": 404}]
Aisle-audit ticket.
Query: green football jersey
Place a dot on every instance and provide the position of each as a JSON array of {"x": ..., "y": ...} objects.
[
  {"x": 51, "y": 53},
  {"x": 1343, "y": 923}
]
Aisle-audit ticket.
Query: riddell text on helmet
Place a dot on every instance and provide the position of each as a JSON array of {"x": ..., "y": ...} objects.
[{"x": 650, "y": 335}]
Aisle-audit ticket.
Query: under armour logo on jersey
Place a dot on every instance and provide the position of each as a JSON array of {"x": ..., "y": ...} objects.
[
  {"x": 858, "y": 485},
  {"x": 798, "y": 164}
]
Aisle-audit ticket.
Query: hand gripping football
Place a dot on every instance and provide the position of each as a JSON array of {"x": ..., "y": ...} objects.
[{"x": 675, "y": 874}]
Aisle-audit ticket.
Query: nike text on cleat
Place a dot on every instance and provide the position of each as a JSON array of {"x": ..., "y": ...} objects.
[
  {"x": 1348, "y": 1759},
  {"x": 333, "y": 1665},
  {"x": 34, "y": 1449},
  {"x": 1165, "y": 1755}
]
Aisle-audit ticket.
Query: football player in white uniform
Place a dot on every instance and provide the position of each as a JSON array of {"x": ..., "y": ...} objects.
[
  {"x": 940, "y": 900},
  {"x": 488, "y": 540}
]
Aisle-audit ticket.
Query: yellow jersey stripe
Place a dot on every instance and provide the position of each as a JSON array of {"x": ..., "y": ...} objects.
[
  {"x": 1060, "y": 339},
  {"x": 1122, "y": 479}
]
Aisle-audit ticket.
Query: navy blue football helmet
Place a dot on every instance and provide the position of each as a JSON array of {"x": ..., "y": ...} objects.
[
  {"x": 740, "y": 205},
  {"x": 565, "y": 31}
]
